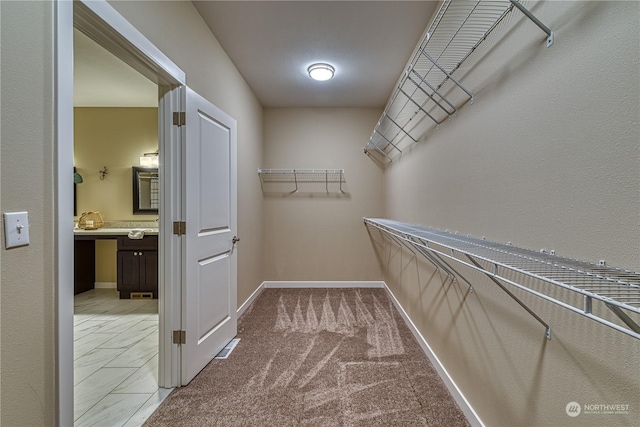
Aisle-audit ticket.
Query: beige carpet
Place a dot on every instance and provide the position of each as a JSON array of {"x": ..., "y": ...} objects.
[{"x": 316, "y": 357}]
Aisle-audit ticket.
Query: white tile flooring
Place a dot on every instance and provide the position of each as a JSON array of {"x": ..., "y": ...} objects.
[{"x": 115, "y": 360}]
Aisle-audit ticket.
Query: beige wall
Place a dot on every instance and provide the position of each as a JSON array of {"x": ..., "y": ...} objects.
[
  {"x": 107, "y": 262},
  {"x": 311, "y": 235},
  {"x": 115, "y": 138},
  {"x": 27, "y": 273},
  {"x": 547, "y": 157},
  {"x": 179, "y": 32}
]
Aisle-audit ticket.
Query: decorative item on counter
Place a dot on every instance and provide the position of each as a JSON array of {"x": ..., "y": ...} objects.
[
  {"x": 90, "y": 220},
  {"x": 137, "y": 233}
]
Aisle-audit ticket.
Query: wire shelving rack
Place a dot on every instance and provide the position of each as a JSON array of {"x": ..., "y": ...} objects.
[
  {"x": 298, "y": 176},
  {"x": 427, "y": 89},
  {"x": 504, "y": 264}
]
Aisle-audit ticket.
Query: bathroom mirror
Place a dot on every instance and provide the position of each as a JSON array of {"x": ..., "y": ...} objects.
[{"x": 145, "y": 190}]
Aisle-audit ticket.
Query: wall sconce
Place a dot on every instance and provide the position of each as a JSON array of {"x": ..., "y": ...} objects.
[
  {"x": 149, "y": 160},
  {"x": 103, "y": 172}
]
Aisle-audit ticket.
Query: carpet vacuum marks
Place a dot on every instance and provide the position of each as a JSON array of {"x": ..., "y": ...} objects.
[{"x": 317, "y": 357}]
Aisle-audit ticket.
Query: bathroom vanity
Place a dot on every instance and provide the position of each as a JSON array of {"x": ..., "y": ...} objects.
[
  {"x": 137, "y": 274},
  {"x": 138, "y": 267}
]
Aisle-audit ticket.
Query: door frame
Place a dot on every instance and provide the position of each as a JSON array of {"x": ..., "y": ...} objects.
[{"x": 101, "y": 22}]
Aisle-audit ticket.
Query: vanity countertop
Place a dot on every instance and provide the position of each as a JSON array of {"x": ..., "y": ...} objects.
[{"x": 113, "y": 231}]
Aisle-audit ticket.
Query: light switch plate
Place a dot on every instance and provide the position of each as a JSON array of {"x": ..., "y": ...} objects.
[{"x": 16, "y": 229}]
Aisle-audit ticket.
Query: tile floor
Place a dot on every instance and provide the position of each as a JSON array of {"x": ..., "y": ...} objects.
[{"x": 115, "y": 360}]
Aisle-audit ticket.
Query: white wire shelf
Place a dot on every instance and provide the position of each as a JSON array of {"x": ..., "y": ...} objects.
[
  {"x": 617, "y": 289},
  {"x": 427, "y": 89},
  {"x": 297, "y": 176}
]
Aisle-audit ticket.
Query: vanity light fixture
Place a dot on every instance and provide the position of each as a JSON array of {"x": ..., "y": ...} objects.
[
  {"x": 149, "y": 159},
  {"x": 145, "y": 161},
  {"x": 321, "y": 71}
]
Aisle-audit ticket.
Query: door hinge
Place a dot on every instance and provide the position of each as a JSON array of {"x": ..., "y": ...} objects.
[
  {"x": 179, "y": 228},
  {"x": 179, "y": 118},
  {"x": 179, "y": 337}
]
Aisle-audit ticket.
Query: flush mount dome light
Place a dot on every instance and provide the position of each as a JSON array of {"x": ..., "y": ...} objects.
[{"x": 321, "y": 72}]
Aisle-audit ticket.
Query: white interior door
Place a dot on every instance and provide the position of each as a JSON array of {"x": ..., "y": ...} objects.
[{"x": 210, "y": 288}]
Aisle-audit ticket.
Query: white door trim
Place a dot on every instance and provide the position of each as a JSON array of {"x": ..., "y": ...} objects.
[
  {"x": 171, "y": 259},
  {"x": 63, "y": 212},
  {"x": 100, "y": 21},
  {"x": 105, "y": 25}
]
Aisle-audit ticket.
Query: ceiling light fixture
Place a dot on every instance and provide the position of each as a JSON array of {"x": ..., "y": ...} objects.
[{"x": 321, "y": 72}]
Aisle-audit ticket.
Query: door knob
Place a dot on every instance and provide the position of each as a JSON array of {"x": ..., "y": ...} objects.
[{"x": 235, "y": 240}]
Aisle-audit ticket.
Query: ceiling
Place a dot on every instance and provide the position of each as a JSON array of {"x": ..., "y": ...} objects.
[
  {"x": 272, "y": 43},
  {"x": 102, "y": 80}
]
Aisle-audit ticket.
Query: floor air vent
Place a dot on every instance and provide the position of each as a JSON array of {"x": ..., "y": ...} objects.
[
  {"x": 141, "y": 295},
  {"x": 225, "y": 352}
]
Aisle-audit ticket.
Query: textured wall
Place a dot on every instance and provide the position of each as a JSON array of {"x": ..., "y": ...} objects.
[
  {"x": 546, "y": 157},
  {"x": 27, "y": 273},
  {"x": 311, "y": 235},
  {"x": 179, "y": 32}
]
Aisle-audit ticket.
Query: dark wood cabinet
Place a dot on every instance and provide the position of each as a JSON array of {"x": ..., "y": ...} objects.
[
  {"x": 137, "y": 266},
  {"x": 85, "y": 266}
]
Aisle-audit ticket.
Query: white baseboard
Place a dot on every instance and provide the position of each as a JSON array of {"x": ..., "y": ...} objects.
[
  {"x": 457, "y": 395},
  {"x": 105, "y": 285},
  {"x": 250, "y": 300},
  {"x": 323, "y": 285},
  {"x": 301, "y": 285}
]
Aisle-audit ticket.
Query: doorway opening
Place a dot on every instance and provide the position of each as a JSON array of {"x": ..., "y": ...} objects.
[
  {"x": 116, "y": 319},
  {"x": 102, "y": 24},
  {"x": 181, "y": 313}
]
